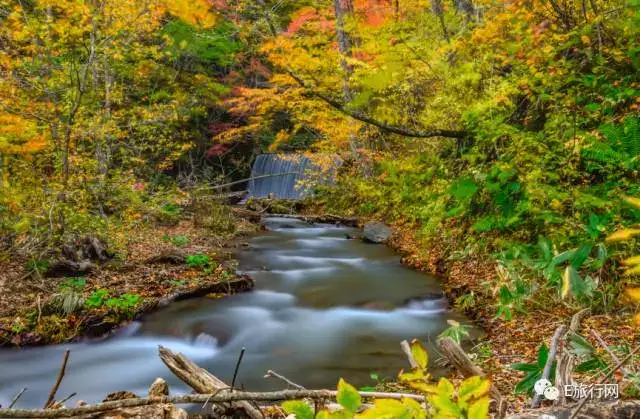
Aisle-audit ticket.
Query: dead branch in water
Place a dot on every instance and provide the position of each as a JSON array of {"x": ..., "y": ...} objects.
[
  {"x": 201, "y": 380},
  {"x": 54, "y": 390}
]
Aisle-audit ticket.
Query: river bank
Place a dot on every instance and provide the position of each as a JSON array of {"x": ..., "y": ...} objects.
[
  {"x": 157, "y": 264},
  {"x": 469, "y": 284}
]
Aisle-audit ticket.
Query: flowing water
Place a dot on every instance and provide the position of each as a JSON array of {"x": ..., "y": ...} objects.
[{"x": 323, "y": 307}]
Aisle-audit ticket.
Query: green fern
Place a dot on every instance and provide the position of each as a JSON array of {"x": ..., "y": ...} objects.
[{"x": 620, "y": 146}]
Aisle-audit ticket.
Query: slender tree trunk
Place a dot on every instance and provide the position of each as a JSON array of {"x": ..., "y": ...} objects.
[{"x": 436, "y": 8}]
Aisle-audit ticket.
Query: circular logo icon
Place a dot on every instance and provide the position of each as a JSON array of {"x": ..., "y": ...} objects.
[
  {"x": 541, "y": 385},
  {"x": 551, "y": 393}
]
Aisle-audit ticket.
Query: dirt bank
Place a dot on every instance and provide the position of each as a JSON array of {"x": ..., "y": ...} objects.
[
  {"x": 505, "y": 342},
  {"x": 155, "y": 266}
]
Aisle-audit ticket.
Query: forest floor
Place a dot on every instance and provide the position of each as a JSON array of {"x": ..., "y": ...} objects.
[
  {"x": 152, "y": 269},
  {"x": 515, "y": 341}
]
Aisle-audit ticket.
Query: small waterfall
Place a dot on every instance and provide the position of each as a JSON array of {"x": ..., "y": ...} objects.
[{"x": 290, "y": 176}]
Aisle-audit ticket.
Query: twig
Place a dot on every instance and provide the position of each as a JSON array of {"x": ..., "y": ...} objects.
[
  {"x": 605, "y": 346},
  {"x": 406, "y": 348},
  {"x": 235, "y": 371},
  {"x": 274, "y": 374},
  {"x": 221, "y": 397},
  {"x": 603, "y": 379},
  {"x": 66, "y": 399},
  {"x": 54, "y": 390},
  {"x": 17, "y": 397},
  {"x": 611, "y": 354},
  {"x": 550, "y": 358}
]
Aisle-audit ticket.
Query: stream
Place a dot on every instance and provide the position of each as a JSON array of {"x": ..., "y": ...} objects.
[{"x": 323, "y": 307}]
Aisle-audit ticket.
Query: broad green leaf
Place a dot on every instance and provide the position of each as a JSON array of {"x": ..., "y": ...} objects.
[
  {"x": 521, "y": 366},
  {"x": 323, "y": 414},
  {"x": 580, "y": 345},
  {"x": 581, "y": 255},
  {"x": 479, "y": 409},
  {"x": 445, "y": 406},
  {"x": 473, "y": 388},
  {"x": 299, "y": 408},
  {"x": 526, "y": 384},
  {"x": 348, "y": 397},
  {"x": 543, "y": 354},
  {"x": 419, "y": 354}
]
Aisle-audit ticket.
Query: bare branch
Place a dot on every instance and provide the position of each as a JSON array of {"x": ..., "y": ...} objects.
[{"x": 371, "y": 121}]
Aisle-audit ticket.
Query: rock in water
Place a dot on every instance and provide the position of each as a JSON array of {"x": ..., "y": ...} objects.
[{"x": 376, "y": 232}]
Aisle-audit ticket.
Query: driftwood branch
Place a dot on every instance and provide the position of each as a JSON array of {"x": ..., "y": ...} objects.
[
  {"x": 54, "y": 389},
  {"x": 222, "y": 396},
  {"x": 429, "y": 133},
  {"x": 201, "y": 380},
  {"x": 546, "y": 372},
  {"x": 406, "y": 348},
  {"x": 274, "y": 374},
  {"x": 461, "y": 361},
  {"x": 566, "y": 360}
]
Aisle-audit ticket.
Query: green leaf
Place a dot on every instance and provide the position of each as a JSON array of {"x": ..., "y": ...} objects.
[
  {"x": 445, "y": 387},
  {"x": 419, "y": 354},
  {"x": 299, "y": 408},
  {"x": 543, "y": 354},
  {"x": 463, "y": 189},
  {"x": 526, "y": 384},
  {"x": 580, "y": 255},
  {"x": 348, "y": 397},
  {"x": 579, "y": 345},
  {"x": 444, "y": 406},
  {"x": 521, "y": 366}
]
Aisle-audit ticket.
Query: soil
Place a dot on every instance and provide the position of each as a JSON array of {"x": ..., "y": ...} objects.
[{"x": 141, "y": 267}]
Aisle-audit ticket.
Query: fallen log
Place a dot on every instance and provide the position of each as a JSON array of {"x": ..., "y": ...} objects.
[
  {"x": 221, "y": 396},
  {"x": 201, "y": 380}
]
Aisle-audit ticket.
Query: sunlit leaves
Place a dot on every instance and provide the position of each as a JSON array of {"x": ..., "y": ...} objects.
[{"x": 348, "y": 397}]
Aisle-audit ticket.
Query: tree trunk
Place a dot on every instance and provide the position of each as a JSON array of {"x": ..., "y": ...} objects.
[{"x": 436, "y": 8}]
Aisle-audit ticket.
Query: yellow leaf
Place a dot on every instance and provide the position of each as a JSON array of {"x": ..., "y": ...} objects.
[
  {"x": 636, "y": 320},
  {"x": 634, "y": 260},
  {"x": 633, "y": 201},
  {"x": 566, "y": 283},
  {"x": 585, "y": 40},
  {"x": 633, "y": 271},
  {"x": 634, "y": 294},
  {"x": 419, "y": 354},
  {"x": 623, "y": 234},
  {"x": 479, "y": 409},
  {"x": 473, "y": 388}
]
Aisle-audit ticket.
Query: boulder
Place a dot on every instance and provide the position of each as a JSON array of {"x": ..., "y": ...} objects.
[{"x": 376, "y": 232}]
